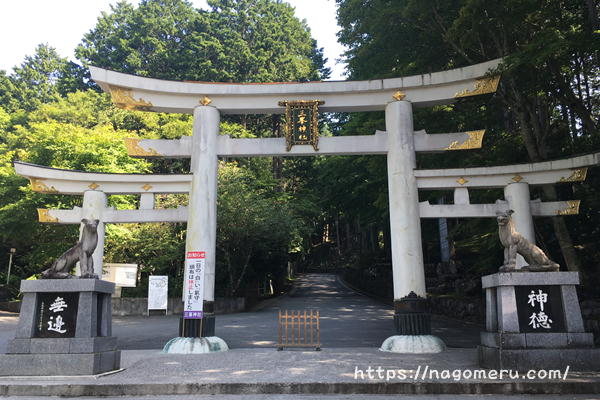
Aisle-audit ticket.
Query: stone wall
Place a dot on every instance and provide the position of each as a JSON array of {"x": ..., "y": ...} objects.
[
  {"x": 465, "y": 308},
  {"x": 10, "y": 306},
  {"x": 590, "y": 310},
  {"x": 122, "y": 306}
]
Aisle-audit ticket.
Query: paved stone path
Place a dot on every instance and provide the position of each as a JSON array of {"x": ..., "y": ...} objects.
[
  {"x": 341, "y": 371},
  {"x": 348, "y": 319}
]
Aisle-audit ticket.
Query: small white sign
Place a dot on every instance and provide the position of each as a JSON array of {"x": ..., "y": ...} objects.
[
  {"x": 194, "y": 284},
  {"x": 158, "y": 286},
  {"x": 122, "y": 275}
]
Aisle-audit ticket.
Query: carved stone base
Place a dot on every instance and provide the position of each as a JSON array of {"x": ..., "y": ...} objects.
[
  {"x": 539, "y": 359},
  {"x": 59, "y": 364},
  {"x": 65, "y": 328},
  {"x": 197, "y": 336},
  {"x": 516, "y": 335}
]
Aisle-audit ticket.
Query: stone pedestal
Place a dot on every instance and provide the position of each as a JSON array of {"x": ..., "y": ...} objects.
[
  {"x": 412, "y": 324},
  {"x": 197, "y": 336},
  {"x": 533, "y": 321},
  {"x": 65, "y": 328},
  {"x": 412, "y": 316},
  {"x": 202, "y": 327}
]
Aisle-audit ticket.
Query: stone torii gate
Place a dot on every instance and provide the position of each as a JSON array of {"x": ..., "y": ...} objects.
[
  {"x": 396, "y": 96},
  {"x": 95, "y": 187}
]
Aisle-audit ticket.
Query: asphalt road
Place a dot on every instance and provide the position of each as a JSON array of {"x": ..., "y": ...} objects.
[{"x": 348, "y": 319}]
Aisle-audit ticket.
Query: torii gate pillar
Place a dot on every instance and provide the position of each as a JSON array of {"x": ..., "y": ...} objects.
[
  {"x": 198, "y": 335},
  {"x": 202, "y": 217},
  {"x": 411, "y": 312}
]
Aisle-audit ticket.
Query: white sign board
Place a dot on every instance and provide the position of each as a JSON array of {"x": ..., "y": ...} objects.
[
  {"x": 158, "y": 286},
  {"x": 122, "y": 275},
  {"x": 194, "y": 284}
]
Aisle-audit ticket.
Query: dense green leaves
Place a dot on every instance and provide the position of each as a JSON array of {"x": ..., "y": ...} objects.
[
  {"x": 547, "y": 105},
  {"x": 164, "y": 39},
  {"x": 242, "y": 41},
  {"x": 256, "y": 227},
  {"x": 41, "y": 78},
  {"x": 72, "y": 133},
  {"x": 49, "y": 117}
]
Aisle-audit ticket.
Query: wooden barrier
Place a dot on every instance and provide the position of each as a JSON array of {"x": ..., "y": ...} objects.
[{"x": 299, "y": 329}]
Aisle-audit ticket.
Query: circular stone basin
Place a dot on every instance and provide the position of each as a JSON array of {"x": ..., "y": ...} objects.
[
  {"x": 417, "y": 344},
  {"x": 191, "y": 345}
]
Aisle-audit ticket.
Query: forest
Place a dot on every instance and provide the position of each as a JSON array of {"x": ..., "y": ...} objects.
[{"x": 320, "y": 213}]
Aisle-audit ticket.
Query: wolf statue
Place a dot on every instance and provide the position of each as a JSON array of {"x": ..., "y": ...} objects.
[
  {"x": 514, "y": 243},
  {"x": 82, "y": 252}
]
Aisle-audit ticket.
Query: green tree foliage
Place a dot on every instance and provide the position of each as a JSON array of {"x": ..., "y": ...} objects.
[
  {"x": 242, "y": 41},
  {"x": 265, "y": 42},
  {"x": 41, "y": 78},
  {"x": 63, "y": 127},
  {"x": 70, "y": 133},
  {"x": 546, "y": 107},
  {"x": 158, "y": 249},
  {"x": 256, "y": 228},
  {"x": 166, "y": 39}
]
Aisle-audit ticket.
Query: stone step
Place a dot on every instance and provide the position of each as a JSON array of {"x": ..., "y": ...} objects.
[{"x": 571, "y": 387}]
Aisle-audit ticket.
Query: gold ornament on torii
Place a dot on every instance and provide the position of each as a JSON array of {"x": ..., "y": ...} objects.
[
  {"x": 123, "y": 98},
  {"x": 482, "y": 86},
  {"x": 474, "y": 141}
]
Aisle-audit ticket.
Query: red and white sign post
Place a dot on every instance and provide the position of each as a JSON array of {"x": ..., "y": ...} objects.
[{"x": 194, "y": 284}]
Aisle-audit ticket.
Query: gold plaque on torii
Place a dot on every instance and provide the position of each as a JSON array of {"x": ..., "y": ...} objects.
[{"x": 302, "y": 122}]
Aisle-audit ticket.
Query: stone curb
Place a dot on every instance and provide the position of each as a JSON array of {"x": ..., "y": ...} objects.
[{"x": 431, "y": 388}]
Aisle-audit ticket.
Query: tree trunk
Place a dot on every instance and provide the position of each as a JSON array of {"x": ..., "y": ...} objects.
[
  {"x": 338, "y": 239},
  {"x": 576, "y": 104},
  {"x": 562, "y": 234},
  {"x": 534, "y": 134},
  {"x": 592, "y": 14},
  {"x": 242, "y": 273},
  {"x": 348, "y": 236},
  {"x": 359, "y": 235},
  {"x": 229, "y": 274},
  {"x": 372, "y": 238},
  {"x": 387, "y": 240}
]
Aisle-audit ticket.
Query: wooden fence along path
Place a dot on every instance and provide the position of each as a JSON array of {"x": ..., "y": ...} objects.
[{"x": 299, "y": 329}]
